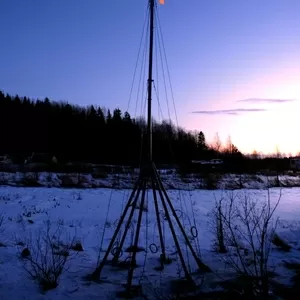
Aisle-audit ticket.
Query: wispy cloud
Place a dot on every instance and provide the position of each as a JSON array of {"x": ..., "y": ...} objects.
[
  {"x": 235, "y": 111},
  {"x": 266, "y": 100}
]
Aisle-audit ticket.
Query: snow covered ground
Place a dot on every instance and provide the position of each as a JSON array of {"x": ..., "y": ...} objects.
[
  {"x": 86, "y": 213},
  {"x": 171, "y": 179}
]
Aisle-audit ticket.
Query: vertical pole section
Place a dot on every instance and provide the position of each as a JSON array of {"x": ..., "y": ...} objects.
[
  {"x": 136, "y": 240},
  {"x": 162, "y": 245},
  {"x": 149, "y": 123},
  {"x": 97, "y": 272},
  {"x": 200, "y": 264}
]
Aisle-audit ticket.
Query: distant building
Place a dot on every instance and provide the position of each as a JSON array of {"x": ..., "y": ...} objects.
[
  {"x": 206, "y": 165},
  {"x": 295, "y": 163},
  {"x": 208, "y": 162}
]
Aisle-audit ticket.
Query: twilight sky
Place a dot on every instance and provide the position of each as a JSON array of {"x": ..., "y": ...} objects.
[{"x": 234, "y": 64}]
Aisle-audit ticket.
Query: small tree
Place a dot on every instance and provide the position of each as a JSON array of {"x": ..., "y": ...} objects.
[
  {"x": 201, "y": 142},
  {"x": 229, "y": 145},
  {"x": 127, "y": 117},
  {"x": 217, "y": 144},
  {"x": 230, "y": 148},
  {"x": 278, "y": 156},
  {"x": 277, "y": 152},
  {"x": 255, "y": 155}
]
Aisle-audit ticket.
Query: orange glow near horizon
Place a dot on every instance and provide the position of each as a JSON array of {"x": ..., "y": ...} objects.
[{"x": 264, "y": 131}]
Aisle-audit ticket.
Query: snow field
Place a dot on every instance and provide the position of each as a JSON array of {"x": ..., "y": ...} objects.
[{"x": 83, "y": 214}]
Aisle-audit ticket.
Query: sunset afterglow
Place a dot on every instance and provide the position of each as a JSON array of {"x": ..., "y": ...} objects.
[
  {"x": 277, "y": 126},
  {"x": 234, "y": 65}
]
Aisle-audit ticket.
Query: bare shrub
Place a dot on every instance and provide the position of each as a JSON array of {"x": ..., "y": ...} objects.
[
  {"x": 1, "y": 222},
  {"x": 48, "y": 256},
  {"x": 79, "y": 197},
  {"x": 49, "y": 178},
  {"x": 77, "y": 246},
  {"x": 248, "y": 228},
  {"x": 68, "y": 180},
  {"x": 5, "y": 198},
  {"x": 211, "y": 180},
  {"x": 115, "y": 181},
  {"x": 217, "y": 227},
  {"x": 31, "y": 179},
  {"x": 32, "y": 210},
  {"x": 3, "y": 180},
  {"x": 2, "y": 228}
]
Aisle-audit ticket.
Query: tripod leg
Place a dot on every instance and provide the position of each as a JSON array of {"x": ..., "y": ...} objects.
[
  {"x": 97, "y": 272},
  {"x": 200, "y": 264},
  {"x": 162, "y": 245},
  {"x": 138, "y": 227},
  {"x": 116, "y": 256},
  {"x": 187, "y": 274}
]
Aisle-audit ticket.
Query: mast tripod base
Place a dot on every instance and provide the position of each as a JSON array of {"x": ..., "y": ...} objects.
[{"x": 148, "y": 177}]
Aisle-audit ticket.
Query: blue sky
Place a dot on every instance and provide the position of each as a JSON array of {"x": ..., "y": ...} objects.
[{"x": 219, "y": 53}]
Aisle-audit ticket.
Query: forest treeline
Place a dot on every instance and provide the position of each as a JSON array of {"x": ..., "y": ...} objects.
[
  {"x": 98, "y": 135},
  {"x": 90, "y": 134}
]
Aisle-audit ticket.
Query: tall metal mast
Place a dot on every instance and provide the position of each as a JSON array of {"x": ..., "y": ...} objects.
[
  {"x": 150, "y": 80},
  {"x": 148, "y": 176}
]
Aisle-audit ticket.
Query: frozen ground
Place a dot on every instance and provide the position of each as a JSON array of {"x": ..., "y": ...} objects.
[
  {"x": 84, "y": 213},
  {"x": 171, "y": 179}
]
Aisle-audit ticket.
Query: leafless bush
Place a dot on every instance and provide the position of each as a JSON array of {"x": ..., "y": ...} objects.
[
  {"x": 31, "y": 179},
  {"x": 69, "y": 180},
  {"x": 5, "y": 198},
  {"x": 211, "y": 180},
  {"x": 3, "y": 180},
  {"x": 116, "y": 181},
  {"x": 77, "y": 195},
  {"x": 2, "y": 219},
  {"x": 217, "y": 227},
  {"x": 48, "y": 256},
  {"x": 32, "y": 210},
  {"x": 1, "y": 222},
  {"x": 77, "y": 246},
  {"x": 248, "y": 229},
  {"x": 49, "y": 178}
]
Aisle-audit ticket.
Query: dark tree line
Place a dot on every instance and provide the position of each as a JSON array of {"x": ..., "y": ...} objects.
[
  {"x": 94, "y": 134},
  {"x": 90, "y": 134}
]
